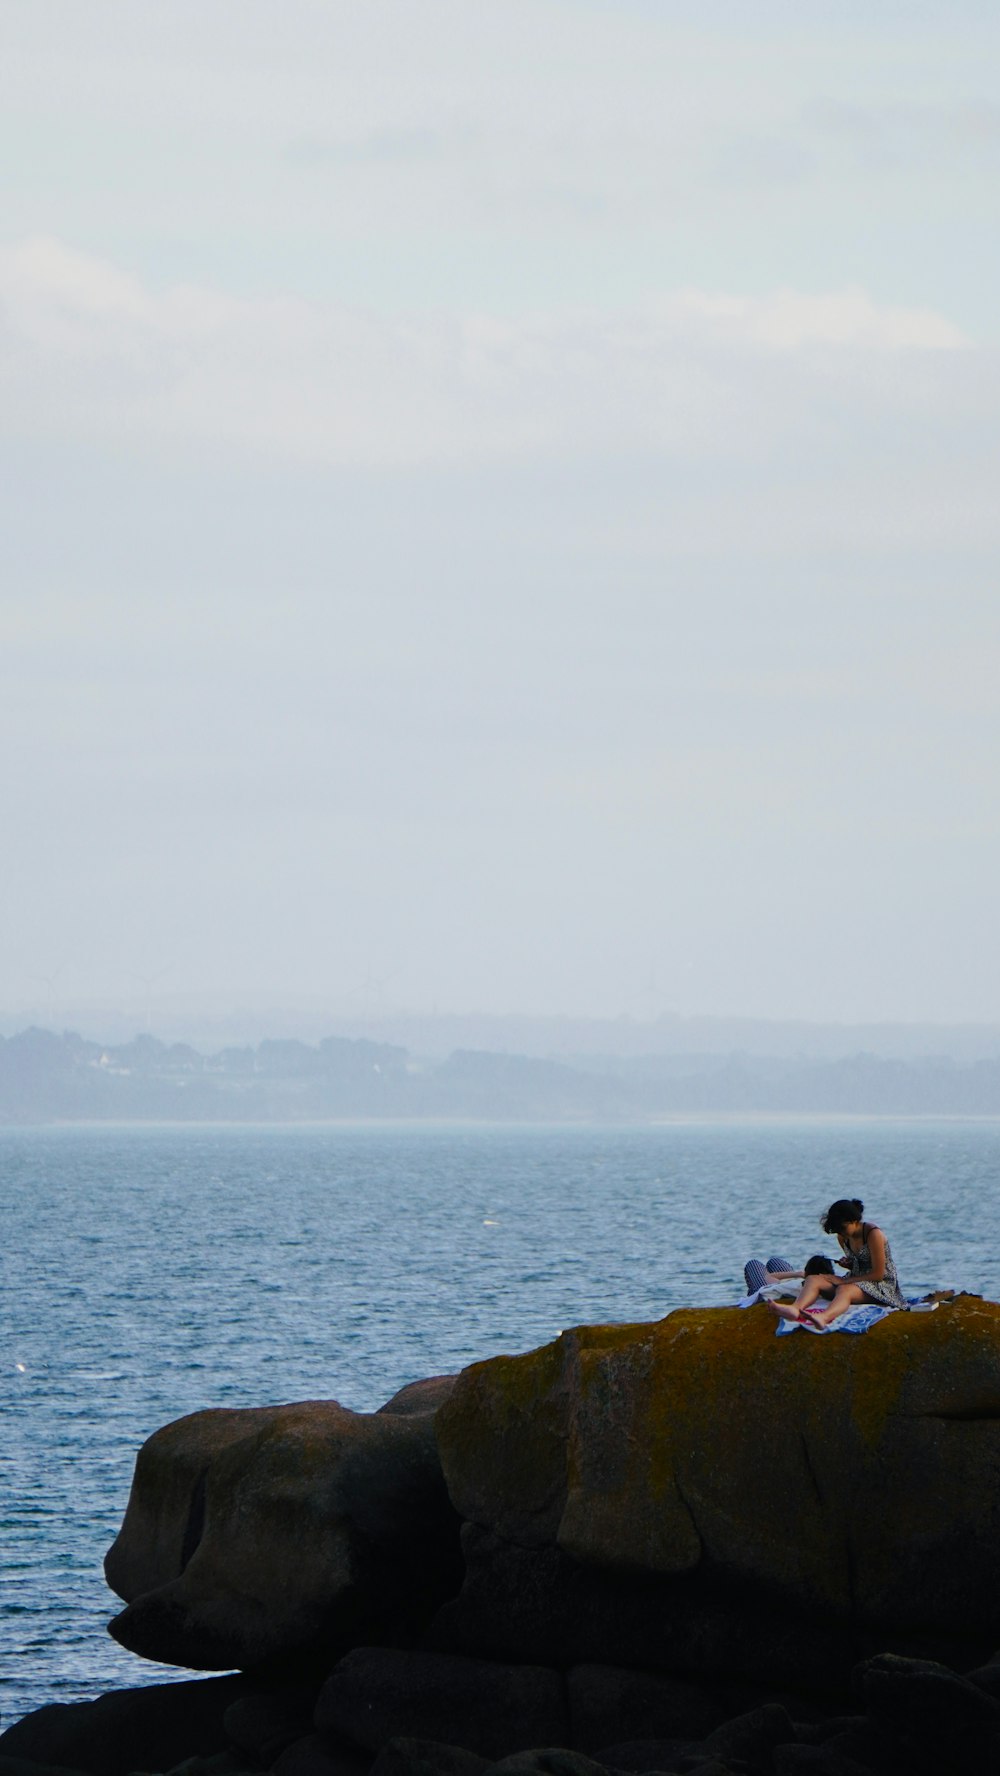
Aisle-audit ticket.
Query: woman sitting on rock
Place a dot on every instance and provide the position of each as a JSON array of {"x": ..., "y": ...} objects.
[{"x": 866, "y": 1255}]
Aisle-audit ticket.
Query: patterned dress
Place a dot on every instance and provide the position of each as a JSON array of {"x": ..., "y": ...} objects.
[{"x": 887, "y": 1292}]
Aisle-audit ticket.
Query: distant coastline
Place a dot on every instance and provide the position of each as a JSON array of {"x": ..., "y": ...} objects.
[{"x": 68, "y": 1079}]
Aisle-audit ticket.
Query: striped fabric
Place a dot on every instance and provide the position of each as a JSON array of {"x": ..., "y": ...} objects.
[{"x": 758, "y": 1275}]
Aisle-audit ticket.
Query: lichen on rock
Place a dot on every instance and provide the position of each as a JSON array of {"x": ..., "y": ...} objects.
[
  {"x": 853, "y": 1476},
  {"x": 671, "y": 1496}
]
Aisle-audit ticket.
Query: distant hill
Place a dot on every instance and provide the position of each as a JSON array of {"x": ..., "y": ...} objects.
[
  {"x": 45, "y": 1077},
  {"x": 584, "y": 1040}
]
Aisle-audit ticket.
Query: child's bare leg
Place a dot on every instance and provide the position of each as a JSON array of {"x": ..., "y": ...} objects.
[
  {"x": 813, "y": 1287},
  {"x": 845, "y": 1295}
]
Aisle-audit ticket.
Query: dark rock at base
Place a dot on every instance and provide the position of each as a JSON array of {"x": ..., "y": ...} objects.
[
  {"x": 612, "y": 1702},
  {"x": 263, "y": 1723},
  {"x": 152, "y": 1728},
  {"x": 313, "y": 1756},
  {"x": 537, "y": 1603},
  {"x": 752, "y": 1738},
  {"x": 379, "y": 1693},
  {"x": 876, "y": 1750},
  {"x": 818, "y": 1732},
  {"x": 986, "y": 1678},
  {"x": 425, "y": 1757},
  {"x": 815, "y": 1760},
  {"x": 918, "y": 1697},
  {"x": 553, "y": 1761},
  {"x": 15, "y": 1766},
  {"x": 870, "y": 1748},
  {"x": 635, "y": 1756},
  {"x": 223, "y": 1763}
]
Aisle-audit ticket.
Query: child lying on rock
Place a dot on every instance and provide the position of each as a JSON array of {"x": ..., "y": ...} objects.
[{"x": 778, "y": 1271}]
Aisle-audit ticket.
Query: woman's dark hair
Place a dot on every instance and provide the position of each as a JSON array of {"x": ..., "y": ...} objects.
[
  {"x": 839, "y": 1213},
  {"x": 818, "y": 1266}
]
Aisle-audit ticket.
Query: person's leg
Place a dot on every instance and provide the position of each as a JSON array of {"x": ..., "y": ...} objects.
[
  {"x": 779, "y": 1265},
  {"x": 755, "y": 1275},
  {"x": 845, "y": 1295},
  {"x": 810, "y": 1290}
]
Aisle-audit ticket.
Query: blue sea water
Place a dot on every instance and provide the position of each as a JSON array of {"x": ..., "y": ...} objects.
[{"x": 149, "y": 1272}]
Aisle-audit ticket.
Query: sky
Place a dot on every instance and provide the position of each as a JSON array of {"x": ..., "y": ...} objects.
[{"x": 499, "y": 507}]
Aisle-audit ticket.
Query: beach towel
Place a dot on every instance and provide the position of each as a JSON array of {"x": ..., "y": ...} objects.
[
  {"x": 857, "y": 1319},
  {"x": 770, "y": 1292}
]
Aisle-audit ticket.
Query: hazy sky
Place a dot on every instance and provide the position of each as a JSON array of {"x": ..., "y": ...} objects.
[{"x": 503, "y": 500}]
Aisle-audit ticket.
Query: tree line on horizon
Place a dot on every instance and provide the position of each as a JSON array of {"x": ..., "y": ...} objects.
[{"x": 47, "y": 1077}]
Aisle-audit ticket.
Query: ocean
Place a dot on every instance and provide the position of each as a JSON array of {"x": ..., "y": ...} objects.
[{"x": 150, "y": 1272}]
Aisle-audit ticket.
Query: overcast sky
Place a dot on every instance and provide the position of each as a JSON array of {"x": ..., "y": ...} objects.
[{"x": 501, "y": 502}]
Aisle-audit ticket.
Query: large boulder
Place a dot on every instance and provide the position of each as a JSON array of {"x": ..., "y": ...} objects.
[
  {"x": 669, "y": 1498},
  {"x": 151, "y": 1728},
  {"x": 380, "y": 1693},
  {"x": 676, "y": 1495},
  {"x": 610, "y": 1703},
  {"x": 284, "y": 1532}
]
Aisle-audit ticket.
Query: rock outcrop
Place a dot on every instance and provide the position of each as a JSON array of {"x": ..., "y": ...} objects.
[
  {"x": 677, "y": 1495},
  {"x": 285, "y": 1532},
  {"x": 909, "y": 1718},
  {"x": 379, "y": 1693},
  {"x": 669, "y": 1496},
  {"x": 118, "y": 1732},
  {"x": 656, "y": 1548}
]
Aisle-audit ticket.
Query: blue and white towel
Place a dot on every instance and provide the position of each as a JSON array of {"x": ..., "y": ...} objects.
[{"x": 856, "y": 1319}]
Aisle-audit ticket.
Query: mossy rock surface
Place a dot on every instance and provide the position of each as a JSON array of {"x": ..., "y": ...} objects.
[
  {"x": 856, "y": 1475},
  {"x": 670, "y": 1496}
]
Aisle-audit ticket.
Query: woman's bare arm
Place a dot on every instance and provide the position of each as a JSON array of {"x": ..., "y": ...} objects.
[{"x": 876, "y": 1246}]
